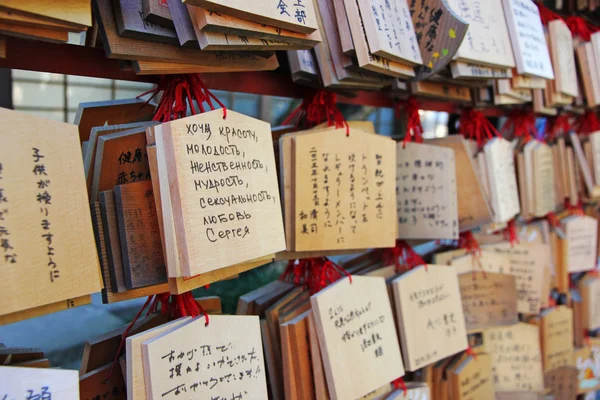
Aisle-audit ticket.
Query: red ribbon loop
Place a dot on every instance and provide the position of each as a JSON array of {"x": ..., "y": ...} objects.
[
  {"x": 471, "y": 352},
  {"x": 403, "y": 256},
  {"x": 546, "y": 14},
  {"x": 559, "y": 125},
  {"x": 313, "y": 273},
  {"x": 587, "y": 123},
  {"x": 553, "y": 220},
  {"x": 510, "y": 233},
  {"x": 318, "y": 107},
  {"x": 522, "y": 124},
  {"x": 400, "y": 384},
  {"x": 179, "y": 92},
  {"x": 473, "y": 124},
  {"x": 414, "y": 129},
  {"x": 580, "y": 28}
]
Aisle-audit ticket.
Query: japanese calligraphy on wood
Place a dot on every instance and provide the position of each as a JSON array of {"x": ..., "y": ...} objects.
[
  {"x": 339, "y": 189},
  {"x": 294, "y": 15},
  {"x": 192, "y": 360},
  {"x": 21, "y": 382},
  {"x": 527, "y": 37},
  {"x": 390, "y": 30},
  {"x": 562, "y": 382},
  {"x": 556, "y": 332},
  {"x": 488, "y": 299},
  {"x": 428, "y": 308},
  {"x": 47, "y": 253},
  {"x": 220, "y": 187},
  {"x": 440, "y": 33},
  {"x": 487, "y": 41},
  {"x": 580, "y": 246},
  {"x": 426, "y": 195},
  {"x": 516, "y": 357},
  {"x": 340, "y": 311},
  {"x": 471, "y": 378},
  {"x": 502, "y": 179},
  {"x": 141, "y": 245}
]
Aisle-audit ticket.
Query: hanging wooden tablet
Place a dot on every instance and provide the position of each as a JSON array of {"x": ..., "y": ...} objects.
[
  {"x": 414, "y": 391},
  {"x": 143, "y": 260},
  {"x": 341, "y": 310},
  {"x": 222, "y": 23},
  {"x": 428, "y": 307},
  {"x": 488, "y": 299},
  {"x": 157, "y": 12},
  {"x": 182, "y": 22},
  {"x": 501, "y": 174},
  {"x": 440, "y": 90},
  {"x": 95, "y": 384},
  {"x": 111, "y": 112},
  {"x": 563, "y": 58},
  {"x": 539, "y": 104},
  {"x": 471, "y": 378},
  {"x": 89, "y": 159},
  {"x": 136, "y": 385},
  {"x": 562, "y": 382},
  {"x": 594, "y": 140},
  {"x": 527, "y": 37},
  {"x": 586, "y": 361},
  {"x": 45, "y": 220},
  {"x": 487, "y": 41},
  {"x": 580, "y": 247},
  {"x": 220, "y": 178},
  {"x": 205, "y": 349},
  {"x": 466, "y": 70},
  {"x": 131, "y": 22},
  {"x": 589, "y": 288},
  {"x": 426, "y": 195},
  {"x": 516, "y": 357},
  {"x": 389, "y": 30},
  {"x": 584, "y": 167},
  {"x": 364, "y": 56},
  {"x": 440, "y": 33},
  {"x": 114, "y": 255},
  {"x": 588, "y": 72},
  {"x": 556, "y": 333},
  {"x": 21, "y": 382},
  {"x": 297, "y": 369},
  {"x": 121, "y": 158},
  {"x": 543, "y": 180},
  {"x": 77, "y": 13},
  {"x": 157, "y": 54},
  {"x": 341, "y": 202},
  {"x": 296, "y": 16},
  {"x": 473, "y": 209}
]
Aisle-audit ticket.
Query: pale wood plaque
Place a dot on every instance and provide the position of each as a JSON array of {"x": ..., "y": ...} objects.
[
  {"x": 426, "y": 195},
  {"x": 516, "y": 357},
  {"x": 22, "y": 383},
  {"x": 47, "y": 248},
  {"x": 556, "y": 332},
  {"x": 563, "y": 58},
  {"x": 500, "y": 167},
  {"x": 430, "y": 315},
  {"x": 581, "y": 234},
  {"x": 342, "y": 311}
]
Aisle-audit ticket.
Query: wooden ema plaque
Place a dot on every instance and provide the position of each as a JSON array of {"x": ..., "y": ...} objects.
[
  {"x": 120, "y": 159},
  {"x": 339, "y": 191},
  {"x": 580, "y": 244},
  {"x": 414, "y": 391},
  {"x": 473, "y": 208},
  {"x": 33, "y": 383},
  {"x": 341, "y": 312},
  {"x": 136, "y": 385},
  {"x": 222, "y": 359},
  {"x": 471, "y": 378},
  {"x": 141, "y": 245},
  {"x": 297, "y": 16},
  {"x": 157, "y": 12},
  {"x": 488, "y": 299},
  {"x": 48, "y": 250},
  {"x": 129, "y": 15},
  {"x": 529, "y": 263},
  {"x": 95, "y": 385},
  {"x": 556, "y": 333},
  {"x": 426, "y": 195},
  {"x": 219, "y": 190},
  {"x": 516, "y": 357},
  {"x": 76, "y": 13},
  {"x": 528, "y": 40},
  {"x": 467, "y": 70},
  {"x": 430, "y": 315},
  {"x": 440, "y": 33},
  {"x": 501, "y": 176},
  {"x": 389, "y": 29},
  {"x": 587, "y": 360},
  {"x": 562, "y": 382},
  {"x": 487, "y": 41},
  {"x": 589, "y": 288},
  {"x": 594, "y": 139},
  {"x": 563, "y": 58}
]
